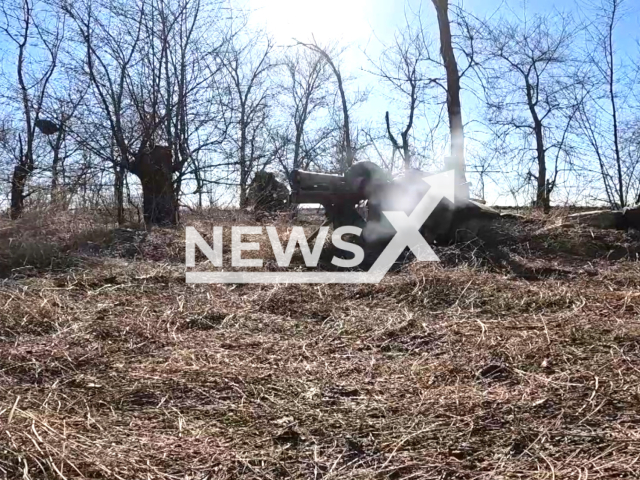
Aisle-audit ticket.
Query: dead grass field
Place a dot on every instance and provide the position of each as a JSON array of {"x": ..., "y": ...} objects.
[{"x": 518, "y": 356}]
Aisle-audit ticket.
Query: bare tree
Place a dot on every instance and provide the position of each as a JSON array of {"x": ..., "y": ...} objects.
[
  {"x": 346, "y": 135},
  {"x": 151, "y": 65},
  {"x": 607, "y": 119},
  {"x": 247, "y": 62},
  {"x": 110, "y": 52},
  {"x": 179, "y": 81},
  {"x": 22, "y": 27},
  {"x": 407, "y": 66},
  {"x": 63, "y": 110},
  {"x": 530, "y": 72},
  {"x": 306, "y": 92}
]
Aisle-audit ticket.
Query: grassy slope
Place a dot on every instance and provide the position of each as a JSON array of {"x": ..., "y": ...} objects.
[{"x": 112, "y": 367}]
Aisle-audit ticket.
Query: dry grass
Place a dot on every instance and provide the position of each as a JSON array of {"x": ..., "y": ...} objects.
[
  {"x": 516, "y": 357},
  {"x": 42, "y": 239}
]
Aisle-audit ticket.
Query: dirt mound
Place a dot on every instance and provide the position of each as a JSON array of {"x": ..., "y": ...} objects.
[{"x": 510, "y": 243}]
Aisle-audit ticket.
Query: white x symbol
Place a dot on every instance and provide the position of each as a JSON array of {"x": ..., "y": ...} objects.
[{"x": 408, "y": 227}]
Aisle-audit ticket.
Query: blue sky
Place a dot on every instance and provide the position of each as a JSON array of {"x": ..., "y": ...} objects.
[
  {"x": 363, "y": 24},
  {"x": 358, "y": 22}
]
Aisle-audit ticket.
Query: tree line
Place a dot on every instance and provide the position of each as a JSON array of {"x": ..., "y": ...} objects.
[{"x": 187, "y": 99}]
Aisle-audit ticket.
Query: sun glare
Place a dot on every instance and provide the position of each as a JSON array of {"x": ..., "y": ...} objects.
[{"x": 327, "y": 20}]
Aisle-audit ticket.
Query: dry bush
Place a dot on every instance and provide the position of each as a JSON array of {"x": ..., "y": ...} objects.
[{"x": 43, "y": 238}]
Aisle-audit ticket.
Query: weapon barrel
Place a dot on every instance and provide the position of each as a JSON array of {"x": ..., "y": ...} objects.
[{"x": 323, "y": 188}]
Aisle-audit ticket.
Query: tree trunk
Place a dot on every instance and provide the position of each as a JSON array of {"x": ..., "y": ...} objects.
[
  {"x": 349, "y": 156},
  {"x": 614, "y": 112},
  {"x": 56, "y": 167},
  {"x": 296, "y": 147},
  {"x": 55, "y": 197},
  {"x": 453, "y": 96},
  {"x": 244, "y": 171},
  {"x": 243, "y": 187},
  {"x": 542, "y": 185},
  {"x": 542, "y": 197},
  {"x": 154, "y": 168},
  {"x": 348, "y": 153},
  {"x": 118, "y": 191},
  {"x": 406, "y": 158},
  {"x": 20, "y": 174},
  {"x": 199, "y": 184}
]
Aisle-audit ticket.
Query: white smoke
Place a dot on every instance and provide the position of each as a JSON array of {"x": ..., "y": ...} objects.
[{"x": 402, "y": 194}]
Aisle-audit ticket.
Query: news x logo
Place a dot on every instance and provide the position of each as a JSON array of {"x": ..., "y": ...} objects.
[{"x": 407, "y": 235}]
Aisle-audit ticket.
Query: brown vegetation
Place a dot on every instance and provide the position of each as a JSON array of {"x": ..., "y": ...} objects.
[{"x": 515, "y": 357}]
